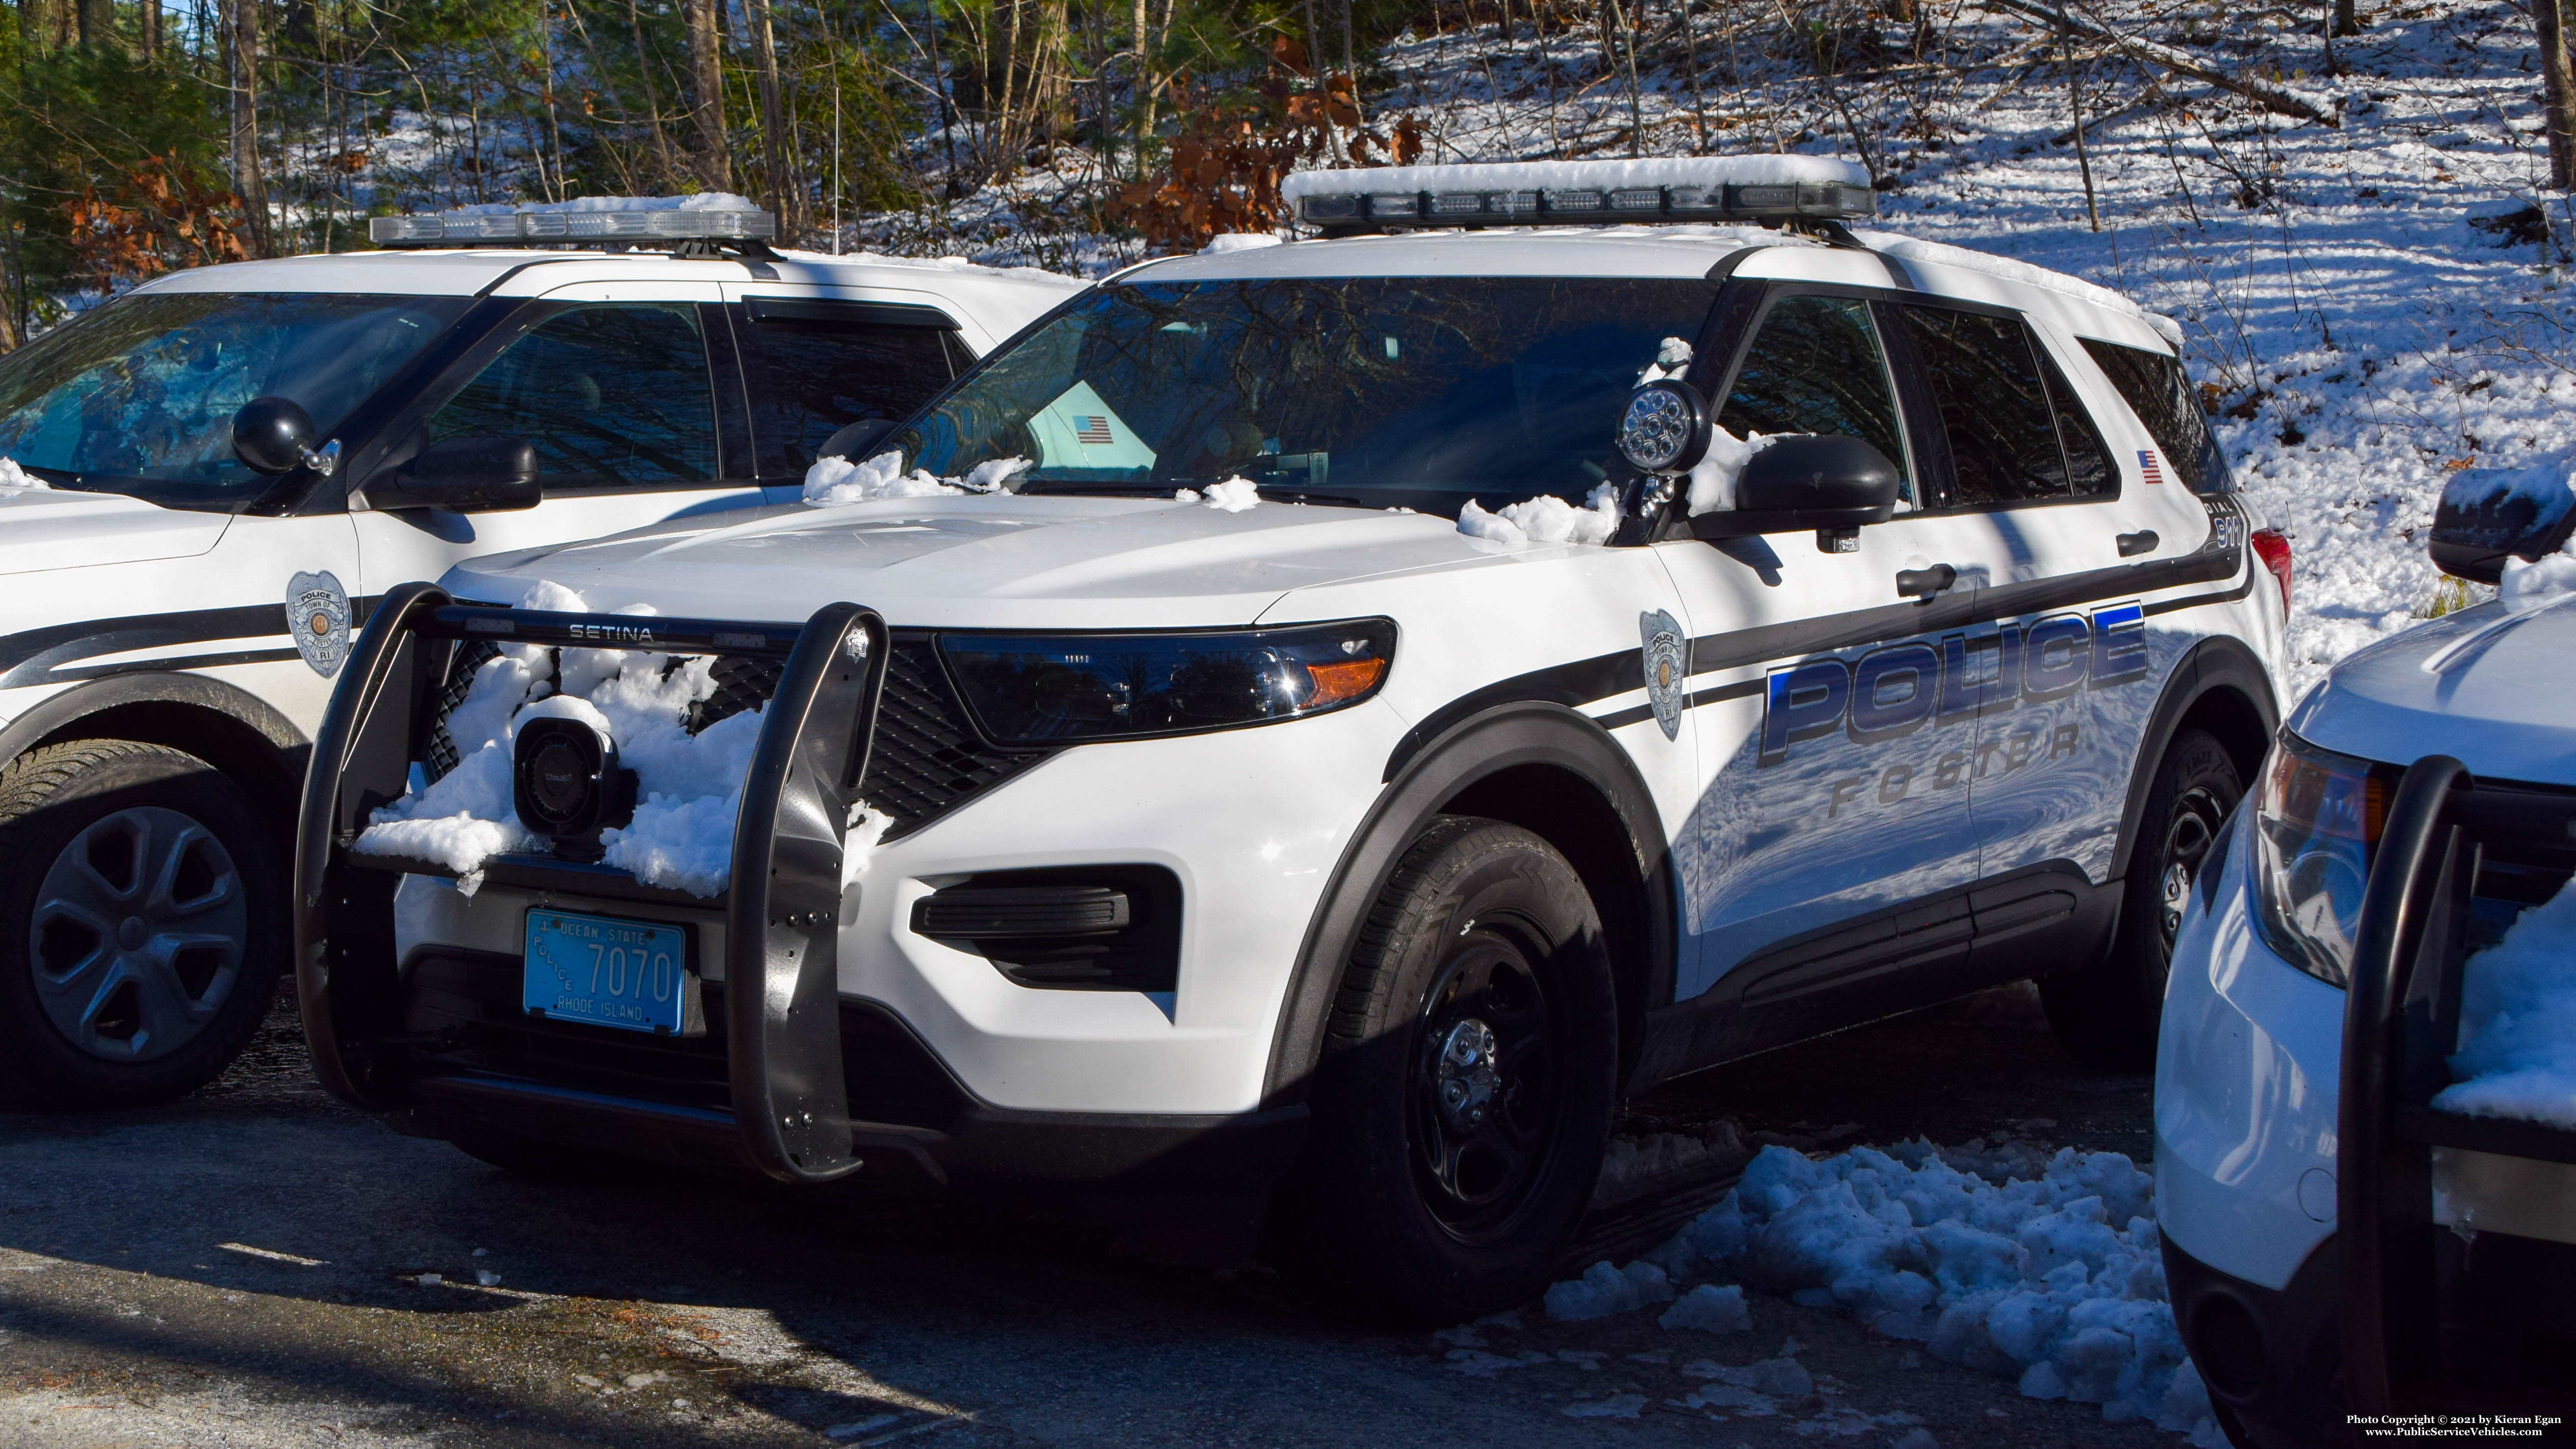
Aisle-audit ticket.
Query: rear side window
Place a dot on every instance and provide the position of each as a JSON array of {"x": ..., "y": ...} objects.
[
  {"x": 832, "y": 364},
  {"x": 2156, "y": 389},
  {"x": 2015, "y": 433},
  {"x": 611, "y": 395},
  {"x": 1816, "y": 367}
]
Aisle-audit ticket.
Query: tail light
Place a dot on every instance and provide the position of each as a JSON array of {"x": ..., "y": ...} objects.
[{"x": 2273, "y": 547}]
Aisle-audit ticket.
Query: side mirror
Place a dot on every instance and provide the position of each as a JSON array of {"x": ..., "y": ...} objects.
[
  {"x": 275, "y": 435},
  {"x": 469, "y": 473},
  {"x": 1807, "y": 480},
  {"x": 858, "y": 441},
  {"x": 2487, "y": 515}
]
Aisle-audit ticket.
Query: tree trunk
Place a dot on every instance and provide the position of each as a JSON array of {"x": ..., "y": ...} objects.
[
  {"x": 1351, "y": 65},
  {"x": 2345, "y": 21},
  {"x": 97, "y": 20},
  {"x": 246, "y": 170},
  {"x": 151, "y": 29},
  {"x": 36, "y": 25},
  {"x": 784, "y": 193},
  {"x": 669, "y": 174},
  {"x": 706, "y": 84},
  {"x": 2557, "y": 93}
]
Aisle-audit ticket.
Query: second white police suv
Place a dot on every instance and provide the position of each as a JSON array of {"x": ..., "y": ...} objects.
[{"x": 1263, "y": 794}]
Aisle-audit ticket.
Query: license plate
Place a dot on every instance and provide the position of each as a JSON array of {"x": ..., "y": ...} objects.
[{"x": 607, "y": 972}]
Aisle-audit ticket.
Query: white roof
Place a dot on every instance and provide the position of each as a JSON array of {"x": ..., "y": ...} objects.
[{"x": 465, "y": 272}]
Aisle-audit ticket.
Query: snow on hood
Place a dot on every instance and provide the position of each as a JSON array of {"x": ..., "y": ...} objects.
[
  {"x": 1007, "y": 561},
  {"x": 2484, "y": 684},
  {"x": 59, "y": 528}
]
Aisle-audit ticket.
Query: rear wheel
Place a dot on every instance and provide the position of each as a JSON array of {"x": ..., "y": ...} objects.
[
  {"x": 2106, "y": 1016},
  {"x": 1464, "y": 1100},
  {"x": 142, "y": 924}
]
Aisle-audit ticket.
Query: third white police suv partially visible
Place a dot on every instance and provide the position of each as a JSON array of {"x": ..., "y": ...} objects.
[
  {"x": 1327, "y": 719},
  {"x": 2366, "y": 1091},
  {"x": 212, "y": 477}
]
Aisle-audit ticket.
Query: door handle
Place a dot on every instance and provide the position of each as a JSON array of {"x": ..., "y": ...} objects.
[
  {"x": 2133, "y": 544},
  {"x": 1924, "y": 583}
]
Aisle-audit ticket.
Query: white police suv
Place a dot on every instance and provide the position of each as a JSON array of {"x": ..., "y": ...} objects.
[
  {"x": 214, "y": 476},
  {"x": 1329, "y": 717},
  {"x": 2366, "y": 1094}
]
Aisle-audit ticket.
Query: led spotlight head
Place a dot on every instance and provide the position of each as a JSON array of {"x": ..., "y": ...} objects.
[
  {"x": 1665, "y": 429},
  {"x": 566, "y": 782}
]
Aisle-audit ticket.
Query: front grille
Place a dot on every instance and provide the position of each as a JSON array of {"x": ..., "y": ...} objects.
[{"x": 926, "y": 759}]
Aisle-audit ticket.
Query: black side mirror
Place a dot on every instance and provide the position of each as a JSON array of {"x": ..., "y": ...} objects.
[
  {"x": 2487, "y": 515},
  {"x": 273, "y": 435},
  {"x": 1807, "y": 480},
  {"x": 469, "y": 473},
  {"x": 857, "y": 442}
]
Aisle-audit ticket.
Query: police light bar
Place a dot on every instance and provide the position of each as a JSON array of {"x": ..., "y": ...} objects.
[
  {"x": 640, "y": 225},
  {"x": 1582, "y": 193}
]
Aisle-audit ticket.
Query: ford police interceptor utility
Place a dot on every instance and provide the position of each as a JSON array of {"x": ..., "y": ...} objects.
[
  {"x": 1332, "y": 715},
  {"x": 2366, "y": 1093},
  {"x": 213, "y": 476}
]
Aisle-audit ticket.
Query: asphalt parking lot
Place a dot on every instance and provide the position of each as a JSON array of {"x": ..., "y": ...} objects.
[{"x": 259, "y": 1266}]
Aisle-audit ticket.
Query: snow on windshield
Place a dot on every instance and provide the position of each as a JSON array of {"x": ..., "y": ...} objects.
[
  {"x": 13, "y": 476},
  {"x": 1545, "y": 519},
  {"x": 2517, "y": 1054}
]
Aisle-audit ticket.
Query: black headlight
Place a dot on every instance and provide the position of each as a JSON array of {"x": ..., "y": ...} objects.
[
  {"x": 2315, "y": 824},
  {"x": 1070, "y": 688}
]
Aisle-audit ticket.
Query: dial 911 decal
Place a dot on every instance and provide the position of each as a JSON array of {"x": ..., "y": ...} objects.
[{"x": 1893, "y": 691}]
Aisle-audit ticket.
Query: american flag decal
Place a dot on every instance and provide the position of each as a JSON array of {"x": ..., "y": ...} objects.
[
  {"x": 2147, "y": 465},
  {"x": 1092, "y": 429}
]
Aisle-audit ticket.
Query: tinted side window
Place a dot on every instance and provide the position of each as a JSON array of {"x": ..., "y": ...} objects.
[
  {"x": 1816, "y": 367},
  {"x": 2088, "y": 465},
  {"x": 2156, "y": 389},
  {"x": 611, "y": 395},
  {"x": 824, "y": 376},
  {"x": 1985, "y": 382}
]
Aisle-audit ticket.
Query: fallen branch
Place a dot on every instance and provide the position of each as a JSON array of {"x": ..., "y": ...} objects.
[{"x": 2279, "y": 99}]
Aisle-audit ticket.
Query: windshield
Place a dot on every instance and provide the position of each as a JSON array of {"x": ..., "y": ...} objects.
[
  {"x": 1379, "y": 391},
  {"x": 138, "y": 397}
]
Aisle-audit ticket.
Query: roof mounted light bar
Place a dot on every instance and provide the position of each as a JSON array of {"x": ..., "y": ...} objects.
[
  {"x": 1767, "y": 189},
  {"x": 575, "y": 225}
]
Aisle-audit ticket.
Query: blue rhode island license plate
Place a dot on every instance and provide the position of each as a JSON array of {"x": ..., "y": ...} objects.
[{"x": 630, "y": 974}]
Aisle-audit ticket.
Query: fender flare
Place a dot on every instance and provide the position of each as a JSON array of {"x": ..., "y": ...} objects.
[
  {"x": 2220, "y": 662},
  {"x": 59, "y": 716},
  {"x": 1499, "y": 738}
]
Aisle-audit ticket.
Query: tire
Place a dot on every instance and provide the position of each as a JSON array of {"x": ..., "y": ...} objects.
[
  {"x": 1470, "y": 1068},
  {"x": 143, "y": 924},
  {"x": 2106, "y": 1016}
]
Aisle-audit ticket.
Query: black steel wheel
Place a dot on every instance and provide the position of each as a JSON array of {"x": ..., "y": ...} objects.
[
  {"x": 142, "y": 926},
  {"x": 1464, "y": 1101},
  {"x": 2106, "y": 1014}
]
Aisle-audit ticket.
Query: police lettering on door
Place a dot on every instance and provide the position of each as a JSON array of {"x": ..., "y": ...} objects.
[{"x": 1896, "y": 691}]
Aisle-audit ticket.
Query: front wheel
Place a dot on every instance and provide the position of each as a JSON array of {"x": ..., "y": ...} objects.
[
  {"x": 142, "y": 924},
  {"x": 1464, "y": 1099},
  {"x": 2106, "y": 1015}
]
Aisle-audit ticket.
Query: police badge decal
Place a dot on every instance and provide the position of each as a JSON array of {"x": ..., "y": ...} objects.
[
  {"x": 317, "y": 614},
  {"x": 1667, "y": 665}
]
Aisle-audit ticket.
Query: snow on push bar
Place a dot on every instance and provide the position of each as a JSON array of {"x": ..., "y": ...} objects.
[
  {"x": 1582, "y": 193},
  {"x": 639, "y": 221},
  {"x": 781, "y": 905}
]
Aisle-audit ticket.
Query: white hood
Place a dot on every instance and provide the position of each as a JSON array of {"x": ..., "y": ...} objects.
[
  {"x": 2495, "y": 696},
  {"x": 43, "y": 529},
  {"x": 1006, "y": 562}
]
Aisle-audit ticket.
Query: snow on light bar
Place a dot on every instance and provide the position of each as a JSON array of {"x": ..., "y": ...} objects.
[
  {"x": 641, "y": 220},
  {"x": 1582, "y": 193}
]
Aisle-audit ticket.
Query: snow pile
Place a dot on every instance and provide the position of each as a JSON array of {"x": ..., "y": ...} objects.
[
  {"x": 2055, "y": 1280},
  {"x": 1234, "y": 495},
  {"x": 838, "y": 480},
  {"x": 1604, "y": 1290},
  {"x": 1712, "y": 479},
  {"x": 688, "y": 786},
  {"x": 1240, "y": 241},
  {"x": 1710, "y": 1309},
  {"x": 1545, "y": 519},
  {"x": 2518, "y": 1022},
  {"x": 2547, "y": 579},
  {"x": 13, "y": 476},
  {"x": 1672, "y": 359}
]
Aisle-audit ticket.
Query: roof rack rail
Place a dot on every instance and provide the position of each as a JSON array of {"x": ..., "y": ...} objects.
[
  {"x": 689, "y": 231},
  {"x": 1804, "y": 193}
]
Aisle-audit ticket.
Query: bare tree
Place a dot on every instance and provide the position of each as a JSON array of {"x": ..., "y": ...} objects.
[
  {"x": 244, "y": 25},
  {"x": 706, "y": 82},
  {"x": 784, "y": 193},
  {"x": 2557, "y": 93}
]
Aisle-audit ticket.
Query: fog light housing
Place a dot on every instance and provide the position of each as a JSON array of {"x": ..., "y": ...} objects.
[{"x": 567, "y": 785}]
